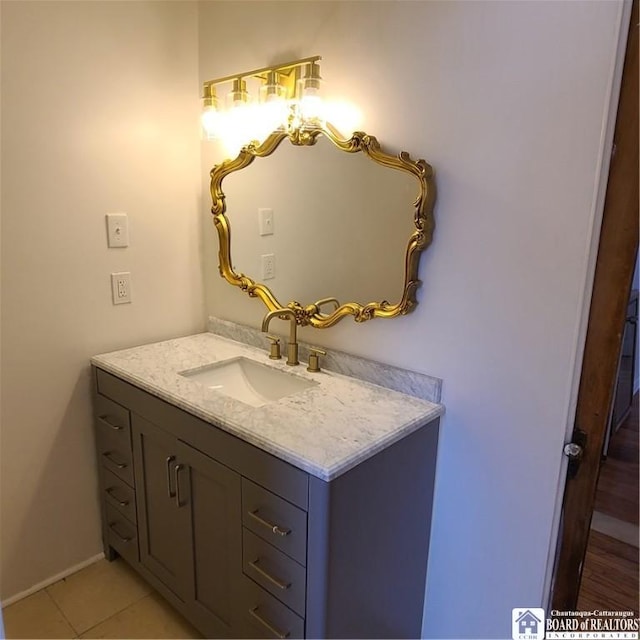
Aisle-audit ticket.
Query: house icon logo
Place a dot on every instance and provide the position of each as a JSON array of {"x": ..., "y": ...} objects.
[{"x": 527, "y": 624}]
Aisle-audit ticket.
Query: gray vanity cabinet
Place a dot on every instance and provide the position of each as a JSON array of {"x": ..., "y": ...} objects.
[{"x": 246, "y": 545}]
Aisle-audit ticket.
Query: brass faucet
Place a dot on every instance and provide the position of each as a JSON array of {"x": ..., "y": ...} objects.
[{"x": 292, "y": 347}]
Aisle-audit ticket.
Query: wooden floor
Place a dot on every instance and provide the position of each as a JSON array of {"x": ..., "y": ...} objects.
[
  {"x": 610, "y": 574},
  {"x": 618, "y": 491}
]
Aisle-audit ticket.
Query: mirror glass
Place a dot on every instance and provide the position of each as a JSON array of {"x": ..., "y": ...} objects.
[
  {"x": 308, "y": 215},
  {"x": 341, "y": 223}
]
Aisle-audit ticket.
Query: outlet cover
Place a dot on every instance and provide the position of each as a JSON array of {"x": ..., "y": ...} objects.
[
  {"x": 268, "y": 266},
  {"x": 121, "y": 287}
]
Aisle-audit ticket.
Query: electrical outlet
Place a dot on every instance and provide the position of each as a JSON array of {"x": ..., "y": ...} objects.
[
  {"x": 265, "y": 221},
  {"x": 121, "y": 287},
  {"x": 268, "y": 266}
]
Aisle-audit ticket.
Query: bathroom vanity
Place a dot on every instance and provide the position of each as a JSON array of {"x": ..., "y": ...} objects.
[{"x": 303, "y": 516}]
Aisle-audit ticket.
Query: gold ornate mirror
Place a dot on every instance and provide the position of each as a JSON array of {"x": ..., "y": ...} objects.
[{"x": 349, "y": 224}]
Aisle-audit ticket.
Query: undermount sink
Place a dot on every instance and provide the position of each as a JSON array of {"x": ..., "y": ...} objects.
[{"x": 248, "y": 381}]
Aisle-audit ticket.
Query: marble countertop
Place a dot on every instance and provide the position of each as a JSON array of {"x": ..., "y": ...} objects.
[{"x": 324, "y": 430}]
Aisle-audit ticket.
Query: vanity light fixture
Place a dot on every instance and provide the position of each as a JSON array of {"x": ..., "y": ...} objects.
[{"x": 286, "y": 98}]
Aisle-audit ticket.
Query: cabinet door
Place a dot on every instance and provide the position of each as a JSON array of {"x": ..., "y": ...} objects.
[
  {"x": 163, "y": 511},
  {"x": 216, "y": 526}
]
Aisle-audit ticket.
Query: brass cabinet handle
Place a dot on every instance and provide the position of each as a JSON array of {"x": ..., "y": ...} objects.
[
  {"x": 168, "y": 462},
  {"x": 122, "y": 503},
  {"x": 276, "y": 632},
  {"x": 276, "y": 581},
  {"x": 109, "y": 456},
  {"x": 113, "y": 425},
  {"x": 112, "y": 526},
  {"x": 177, "y": 469},
  {"x": 281, "y": 531}
]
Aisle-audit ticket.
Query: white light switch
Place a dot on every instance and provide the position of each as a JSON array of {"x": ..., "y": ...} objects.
[
  {"x": 265, "y": 221},
  {"x": 117, "y": 230}
]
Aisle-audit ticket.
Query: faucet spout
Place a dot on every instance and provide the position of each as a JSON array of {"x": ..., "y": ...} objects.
[{"x": 292, "y": 348}]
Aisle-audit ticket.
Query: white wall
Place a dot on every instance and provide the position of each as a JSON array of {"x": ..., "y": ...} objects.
[
  {"x": 99, "y": 113},
  {"x": 508, "y": 101}
]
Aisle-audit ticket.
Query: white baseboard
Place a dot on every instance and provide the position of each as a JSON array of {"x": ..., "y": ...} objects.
[{"x": 51, "y": 580}]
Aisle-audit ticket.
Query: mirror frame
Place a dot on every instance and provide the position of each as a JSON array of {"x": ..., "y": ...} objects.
[{"x": 419, "y": 239}]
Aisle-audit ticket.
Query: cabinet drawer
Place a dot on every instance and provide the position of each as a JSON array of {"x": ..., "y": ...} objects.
[
  {"x": 275, "y": 520},
  {"x": 119, "y": 494},
  {"x": 262, "y": 616},
  {"x": 115, "y": 457},
  {"x": 122, "y": 534},
  {"x": 113, "y": 419},
  {"x": 276, "y": 572}
]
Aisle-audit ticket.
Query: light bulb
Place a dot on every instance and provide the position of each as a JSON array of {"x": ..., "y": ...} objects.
[{"x": 211, "y": 120}]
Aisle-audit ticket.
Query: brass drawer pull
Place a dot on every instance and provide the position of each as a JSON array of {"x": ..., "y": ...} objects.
[
  {"x": 122, "y": 503},
  {"x": 112, "y": 526},
  {"x": 109, "y": 456},
  {"x": 281, "y": 531},
  {"x": 115, "y": 427},
  {"x": 276, "y": 581},
  {"x": 276, "y": 632}
]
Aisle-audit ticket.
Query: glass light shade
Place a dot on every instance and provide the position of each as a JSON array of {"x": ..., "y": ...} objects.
[
  {"x": 311, "y": 79},
  {"x": 238, "y": 94},
  {"x": 211, "y": 120},
  {"x": 272, "y": 90}
]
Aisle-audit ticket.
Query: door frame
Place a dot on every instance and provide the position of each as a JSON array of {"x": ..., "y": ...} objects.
[{"x": 588, "y": 328}]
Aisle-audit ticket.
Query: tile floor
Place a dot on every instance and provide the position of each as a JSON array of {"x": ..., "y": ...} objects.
[{"x": 104, "y": 600}]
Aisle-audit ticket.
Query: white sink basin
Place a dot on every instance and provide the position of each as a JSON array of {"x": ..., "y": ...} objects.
[{"x": 248, "y": 381}]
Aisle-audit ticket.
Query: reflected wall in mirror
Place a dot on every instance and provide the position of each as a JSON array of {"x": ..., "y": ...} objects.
[{"x": 349, "y": 224}]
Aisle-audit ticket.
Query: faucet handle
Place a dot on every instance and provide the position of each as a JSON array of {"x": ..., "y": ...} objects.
[
  {"x": 274, "y": 352},
  {"x": 314, "y": 359}
]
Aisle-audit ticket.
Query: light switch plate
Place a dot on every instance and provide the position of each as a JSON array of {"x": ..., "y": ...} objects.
[
  {"x": 265, "y": 221},
  {"x": 117, "y": 230}
]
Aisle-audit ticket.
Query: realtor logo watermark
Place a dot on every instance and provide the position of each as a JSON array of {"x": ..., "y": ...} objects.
[
  {"x": 527, "y": 624},
  {"x": 532, "y": 624}
]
